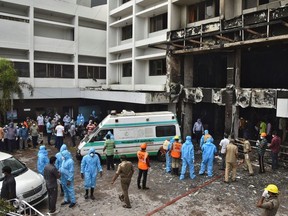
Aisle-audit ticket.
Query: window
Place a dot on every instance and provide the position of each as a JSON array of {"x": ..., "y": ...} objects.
[
  {"x": 67, "y": 71},
  {"x": 163, "y": 131},
  {"x": 263, "y": 2},
  {"x": 22, "y": 69},
  {"x": 203, "y": 10},
  {"x": 249, "y": 4},
  {"x": 53, "y": 70},
  {"x": 91, "y": 72},
  {"x": 101, "y": 136},
  {"x": 127, "y": 32},
  {"x": 158, "y": 23},
  {"x": 127, "y": 70},
  {"x": 157, "y": 67},
  {"x": 40, "y": 70},
  {"x": 124, "y": 1}
]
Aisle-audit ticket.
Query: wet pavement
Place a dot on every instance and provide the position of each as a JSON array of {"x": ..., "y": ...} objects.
[{"x": 168, "y": 195}]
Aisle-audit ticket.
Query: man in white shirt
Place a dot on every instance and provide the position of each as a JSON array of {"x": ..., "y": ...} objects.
[
  {"x": 59, "y": 135},
  {"x": 198, "y": 130},
  {"x": 223, "y": 143},
  {"x": 40, "y": 122}
]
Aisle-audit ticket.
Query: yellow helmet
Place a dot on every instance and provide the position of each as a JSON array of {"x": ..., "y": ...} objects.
[
  {"x": 272, "y": 188},
  {"x": 176, "y": 137}
]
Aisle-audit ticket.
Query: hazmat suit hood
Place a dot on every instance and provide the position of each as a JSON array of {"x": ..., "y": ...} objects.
[
  {"x": 42, "y": 151},
  {"x": 91, "y": 150},
  {"x": 66, "y": 154},
  {"x": 188, "y": 139},
  {"x": 63, "y": 147}
]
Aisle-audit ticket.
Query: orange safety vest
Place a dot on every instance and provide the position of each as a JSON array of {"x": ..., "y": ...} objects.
[
  {"x": 176, "y": 150},
  {"x": 142, "y": 157}
]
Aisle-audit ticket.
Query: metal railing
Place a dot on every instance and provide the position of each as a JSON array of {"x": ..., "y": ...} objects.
[{"x": 22, "y": 208}]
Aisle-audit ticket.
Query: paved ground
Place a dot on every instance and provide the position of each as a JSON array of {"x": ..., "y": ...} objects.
[{"x": 201, "y": 196}]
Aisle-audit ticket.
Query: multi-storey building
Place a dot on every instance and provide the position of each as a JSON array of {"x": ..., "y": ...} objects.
[
  {"x": 216, "y": 59},
  {"x": 59, "y": 47}
]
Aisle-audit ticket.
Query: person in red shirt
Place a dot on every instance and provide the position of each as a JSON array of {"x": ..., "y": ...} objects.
[
  {"x": 90, "y": 127},
  {"x": 275, "y": 149}
]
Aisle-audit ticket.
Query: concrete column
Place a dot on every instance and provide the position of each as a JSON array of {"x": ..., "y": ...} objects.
[
  {"x": 233, "y": 80},
  {"x": 188, "y": 107},
  {"x": 229, "y": 93},
  {"x": 76, "y": 50},
  {"x": 31, "y": 45},
  {"x": 173, "y": 67}
]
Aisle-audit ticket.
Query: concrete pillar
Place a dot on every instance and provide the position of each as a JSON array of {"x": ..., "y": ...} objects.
[
  {"x": 229, "y": 93},
  {"x": 173, "y": 67},
  {"x": 188, "y": 107},
  {"x": 233, "y": 80}
]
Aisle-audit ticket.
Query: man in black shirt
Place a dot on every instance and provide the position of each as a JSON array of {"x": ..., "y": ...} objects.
[
  {"x": 51, "y": 175},
  {"x": 8, "y": 190}
]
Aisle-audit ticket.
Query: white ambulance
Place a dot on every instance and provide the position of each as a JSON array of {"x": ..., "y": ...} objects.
[{"x": 130, "y": 130}]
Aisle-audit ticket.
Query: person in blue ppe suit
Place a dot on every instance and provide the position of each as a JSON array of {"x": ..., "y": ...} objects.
[
  {"x": 204, "y": 138},
  {"x": 43, "y": 159},
  {"x": 187, "y": 155},
  {"x": 111, "y": 135},
  {"x": 208, "y": 152},
  {"x": 168, "y": 156},
  {"x": 90, "y": 166},
  {"x": 67, "y": 179},
  {"x": 58, "y": 164}
]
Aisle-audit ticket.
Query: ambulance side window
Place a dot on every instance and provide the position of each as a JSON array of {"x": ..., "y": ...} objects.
[{"x": 167, "y": 130}]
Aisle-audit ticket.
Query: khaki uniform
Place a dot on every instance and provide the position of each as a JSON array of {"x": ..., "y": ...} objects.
[
  {"x": 231, "y": 161},
  {"x": 247, "y": 156},
  {"x": 125, "y": 170},
  {"x": 271, "y": 206}
]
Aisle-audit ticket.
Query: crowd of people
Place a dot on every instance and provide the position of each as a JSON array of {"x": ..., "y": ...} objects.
[
  {"x": 179, "y": 157},
  {"x": 30, "y": 132}
]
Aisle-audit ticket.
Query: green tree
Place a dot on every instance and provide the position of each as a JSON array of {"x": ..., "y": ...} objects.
[
  {"x": 9, "y": 85},
  {"x": 5, "y": 207}
]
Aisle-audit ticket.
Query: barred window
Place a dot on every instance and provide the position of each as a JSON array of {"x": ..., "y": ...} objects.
[
  {"x": 22, "y": 69},
  {"x": 42, "y": 70},
  {"x": 127, "y": 70},
  {"x": 158, "y": 23},
  {"x": 91, "y": 72},
  {"x": 157, "y": 67}
]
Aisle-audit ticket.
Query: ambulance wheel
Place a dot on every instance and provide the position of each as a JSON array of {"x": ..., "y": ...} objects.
[{"x": 161, "y": 157}]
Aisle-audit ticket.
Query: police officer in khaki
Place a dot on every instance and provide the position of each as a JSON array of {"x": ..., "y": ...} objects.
[
  {"x": 231, "y": 161},
  {"x": 125, "y": 170},
  {"x": 247, "y": 156}
]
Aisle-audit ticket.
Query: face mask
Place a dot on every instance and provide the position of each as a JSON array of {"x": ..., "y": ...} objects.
[
  {"x": 261, "y": 137},
  {"x": 92, "y": 154},
  {"x": 63, "y": 158}
]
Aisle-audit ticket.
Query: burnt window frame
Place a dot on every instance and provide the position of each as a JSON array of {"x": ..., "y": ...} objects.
[{"x": 197, "y": 12}]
